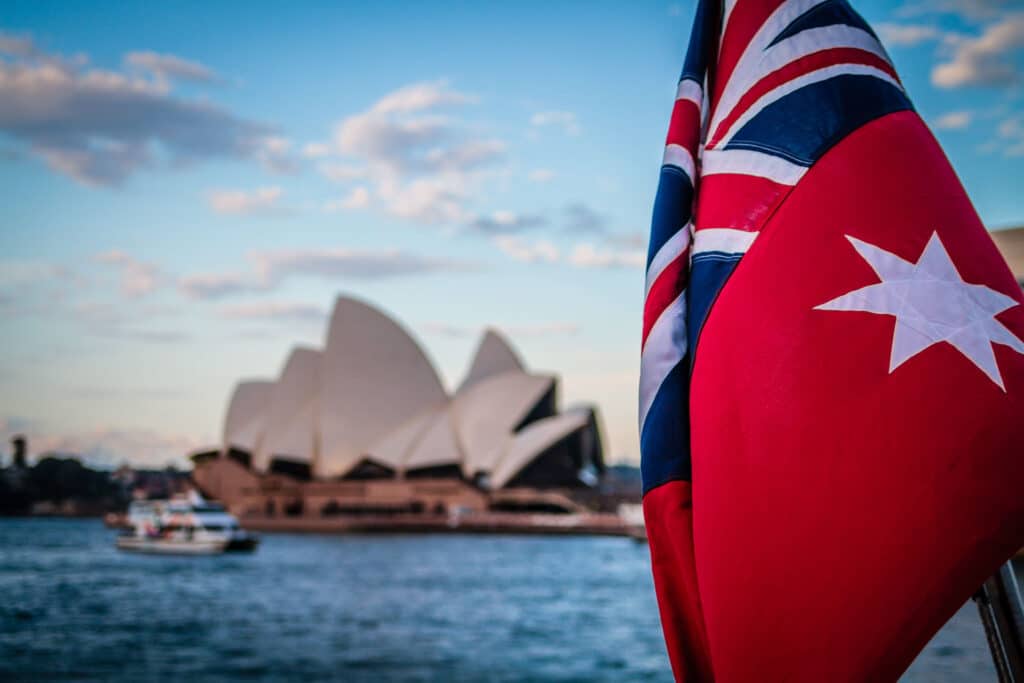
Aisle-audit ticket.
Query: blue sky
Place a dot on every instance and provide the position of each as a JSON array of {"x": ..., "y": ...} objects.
[{"x": 187, "y": 186}]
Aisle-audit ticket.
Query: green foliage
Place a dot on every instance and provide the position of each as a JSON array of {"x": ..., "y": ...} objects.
[{"x": 57, "y": 480}]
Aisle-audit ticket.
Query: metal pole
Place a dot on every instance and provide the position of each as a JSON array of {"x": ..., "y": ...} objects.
[{"x": 1002, "y": 614}]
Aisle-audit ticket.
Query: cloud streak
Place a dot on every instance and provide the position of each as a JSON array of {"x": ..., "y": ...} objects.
[
  {"x": 540, "y": 251},
  {"x": 985, "y": 60},
  {"x": 271, "y": 268},
  {"x": 357, "y": 198},
  {"x": 261, "y": 201},
  {"x": 138, "y": 278},
  {"x": 170, "y": 67},
  {"x": 590, "y": 256},
  {"x": 507, "y": 222},
  {"x": 562, "y": 120},
  {"x": 275, "y": 311},
  {"x": 954, "y": 120},
  {"x": 907, "y": 35},
  {"x": 100, "y": 126}
]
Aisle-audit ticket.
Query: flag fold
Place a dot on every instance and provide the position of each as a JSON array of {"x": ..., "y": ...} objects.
[{"x": 832, "y": 369}]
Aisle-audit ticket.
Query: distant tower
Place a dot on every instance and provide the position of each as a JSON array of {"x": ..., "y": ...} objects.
[{"x": 20, "y": 445}]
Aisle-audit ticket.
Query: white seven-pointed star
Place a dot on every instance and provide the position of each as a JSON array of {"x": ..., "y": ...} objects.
[{"x": 932, "y": 304}]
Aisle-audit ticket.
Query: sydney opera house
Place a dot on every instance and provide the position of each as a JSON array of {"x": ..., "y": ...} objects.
[{"x": 365, "y": 426}]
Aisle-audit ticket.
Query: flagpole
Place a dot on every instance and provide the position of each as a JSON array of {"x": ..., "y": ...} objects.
[{"x": 1002, "y": 613}]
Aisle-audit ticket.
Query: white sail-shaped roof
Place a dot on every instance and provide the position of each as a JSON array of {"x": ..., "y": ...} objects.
[
  {"x": 375, "y": 378},
  {"x": 243, "y": 425},
  {"x": 533, "y": 440},
  {"x": 437, "y": 446},
  {"x": 493, "y": 356},
  {"x": 292, "y": 410},
  {"x": 394, "y": 447},
  {"x": 488, "y": 411}
]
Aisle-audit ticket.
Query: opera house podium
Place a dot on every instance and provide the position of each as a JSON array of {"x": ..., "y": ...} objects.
[{"x": 364, "y": 429}]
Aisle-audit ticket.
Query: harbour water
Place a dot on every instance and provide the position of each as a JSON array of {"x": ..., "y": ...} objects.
[{"x": 352, "y": 608}]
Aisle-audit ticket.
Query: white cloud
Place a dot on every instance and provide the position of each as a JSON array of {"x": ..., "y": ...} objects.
[
  {"x": 1011, "y": 135},
  {"x": 565, "y": 120},
  {"x": 906, "y": 35},
  {"x": 315, "y": 150},
  {"x": 431, "y": 199},
  {"x": 466, "y": 155},
  {"x": 504, "y": 222},
  {"x": 275, "y": 154},
  {"x": 271, "y": 268},
  {"x": 418, "y": 162},
  {"x": 420, "y": 97},
  {"x": 985, "y": 60},
  {"x": 953, "y": 120},
  {"x": 100, "y": 126},
  {"x": 540, "y": 251},
  {"x": 969, "y": 10},
  {"x": 541, "y": 175},
  {"x": 586, "y": 255},
  {"x": 138, "y": 278},
  {"x": 216, "y": 285},
  {"x": 358, "y": 198},
  {"x": 262, "y": 200},
  {"x": 170, "y": 67}
]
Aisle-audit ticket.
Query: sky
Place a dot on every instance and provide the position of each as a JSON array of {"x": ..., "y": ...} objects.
[{"x": 187, "y": 186}]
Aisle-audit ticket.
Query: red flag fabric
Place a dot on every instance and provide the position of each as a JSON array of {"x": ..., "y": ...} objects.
[{"x": 851, "y": 381}]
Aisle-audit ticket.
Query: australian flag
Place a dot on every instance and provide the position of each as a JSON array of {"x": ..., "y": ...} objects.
[{"x": 832, "y": 370}]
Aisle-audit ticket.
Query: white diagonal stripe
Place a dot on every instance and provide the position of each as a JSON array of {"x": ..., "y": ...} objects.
[
  {"x": 726, "y": 240},
  {"x": 782, "y": 17},
  {"x": 673, "y": 247},
  {"x": 753, "y": 68},
  {"x": 788, "y": 87},
  {"x": 691, "y": 91},
  {"x": 680, "y": 157},
  {"x": 749, "y": 162},
  {"x": 727, "y": 8},
  {"x": 664, "y": 349}
]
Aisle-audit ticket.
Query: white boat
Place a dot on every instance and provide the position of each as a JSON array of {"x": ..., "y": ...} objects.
[{"x": 183, "y": 527}]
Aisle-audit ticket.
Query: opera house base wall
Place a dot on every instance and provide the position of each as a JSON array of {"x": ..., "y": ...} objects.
[
  {"x": 581, "y": 524},
  {"x": 272, "y": 502}
]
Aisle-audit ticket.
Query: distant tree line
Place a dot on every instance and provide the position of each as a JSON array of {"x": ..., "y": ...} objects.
[
  {"x": 62, "y": 485},
  {"x": 59, "y": 480}
]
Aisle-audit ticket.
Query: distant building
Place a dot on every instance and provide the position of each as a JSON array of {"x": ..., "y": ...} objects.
[
  {"x": 19, "y": 448},
  {"x": 1011, "y": 244},
  {"x": 365, "y": 423}
]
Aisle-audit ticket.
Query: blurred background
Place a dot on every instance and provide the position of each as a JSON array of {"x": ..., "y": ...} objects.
[{"x": 188, "y": 188}]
